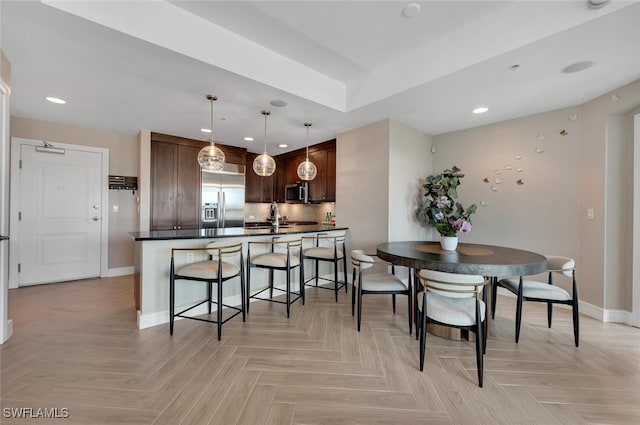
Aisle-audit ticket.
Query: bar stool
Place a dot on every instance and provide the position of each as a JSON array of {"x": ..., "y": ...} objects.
[
  {"x": 285, "y": 254},
  {"x": 329, "y": 247},
  {"x": 214, "y": 270}
]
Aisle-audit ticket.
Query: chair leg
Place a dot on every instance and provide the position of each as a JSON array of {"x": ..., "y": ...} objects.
[
  {"x": 271, "y": 283},
  {"x": 353, "y": 293},
  {"x": 317, "y": 273},
  {"x": 335, "y": 278},
  {"x": 209, "y": 296},
  {"x": 344, "y": 270},
  {"x": 576, "y": 323},
  {"x": 302, "y": 280},
  {"x": 359, "y": 306},
  {"x": 393, "y": 302},
  {"x": 219, "y": 300},
  {"x": 288, "y": 292},
  {"x": 494, "y": 295},
  {"x": 248, "y": 294},
  {"x": 549, "y": 313},
  {"x": 519, "y": 312},
  {"x": 172, "y": 301},
  {"x": 242, "y": 292},
  {"x": 423, "y": 331},
  {"x": 409, "y": 308},
  {"x": 479, "y": 347}
]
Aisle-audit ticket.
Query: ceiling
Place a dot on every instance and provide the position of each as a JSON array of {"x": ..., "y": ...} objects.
[{"x": 131, "y": 65}]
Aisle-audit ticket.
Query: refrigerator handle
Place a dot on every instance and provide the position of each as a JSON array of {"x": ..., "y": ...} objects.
[
  {"x": 224, "y": 209},
  {"x": 218, "y": 212}
]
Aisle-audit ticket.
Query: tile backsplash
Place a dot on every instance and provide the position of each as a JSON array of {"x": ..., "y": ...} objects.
[{"x": 298, "y": 212}]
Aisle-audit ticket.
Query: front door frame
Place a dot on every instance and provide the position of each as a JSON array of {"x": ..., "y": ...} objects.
[{"x": 14, "y": 254}]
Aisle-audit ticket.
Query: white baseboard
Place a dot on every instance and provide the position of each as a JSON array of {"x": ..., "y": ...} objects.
[
  {"x": 8, "y": 331},
  {"x": 595, "y": 312},
  {"x": 120, "y": 271}
]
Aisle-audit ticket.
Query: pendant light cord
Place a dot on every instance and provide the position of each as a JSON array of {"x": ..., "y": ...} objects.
[{"x": 265, "y": 113}]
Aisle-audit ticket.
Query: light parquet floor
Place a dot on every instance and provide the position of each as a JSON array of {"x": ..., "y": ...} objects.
[{"x": 76, "y": 346}]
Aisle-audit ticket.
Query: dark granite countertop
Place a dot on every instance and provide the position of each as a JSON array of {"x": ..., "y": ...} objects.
[{"x": 231, "y": 232}]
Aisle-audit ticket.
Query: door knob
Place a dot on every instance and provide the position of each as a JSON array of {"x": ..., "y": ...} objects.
[{"x": 95, "y": 219}]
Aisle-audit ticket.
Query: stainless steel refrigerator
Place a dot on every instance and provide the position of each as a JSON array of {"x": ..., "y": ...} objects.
[{"x": 223, "y": 197}]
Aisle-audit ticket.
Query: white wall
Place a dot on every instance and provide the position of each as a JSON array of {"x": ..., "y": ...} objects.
[
  {"x": 410, "y": 161},
  {"x": 362, "y": 184},
  {"x": 590, "y": 168},
  {"x": 539, "y": 215},
  {"x": 380, "y": 170}
]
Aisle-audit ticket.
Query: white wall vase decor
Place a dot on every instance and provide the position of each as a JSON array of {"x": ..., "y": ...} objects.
[{"x": 449, "y": 243}]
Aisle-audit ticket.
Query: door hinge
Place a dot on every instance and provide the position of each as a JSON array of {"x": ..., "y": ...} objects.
[
  {"x": 19, "y": 215},
  {"x": 20, "y": 164},
  {"x": 19, "y": 267}
]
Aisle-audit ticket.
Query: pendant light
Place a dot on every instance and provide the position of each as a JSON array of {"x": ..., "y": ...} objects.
[
  {"x": 264, "y": 165},
  {"x": 211, "y": 157},
  {"x": 307, "y": 170}
]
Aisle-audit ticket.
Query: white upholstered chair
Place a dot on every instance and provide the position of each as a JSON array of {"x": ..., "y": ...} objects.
[
  {"x": 531, "y": 290},
  {"x": 225, "y": 262},
  {"x": 328, "y": 247},
  {"x": 453, "y": 300},
  {"x": 377, "y": 283},
  {"x": 284, "y": 254}
]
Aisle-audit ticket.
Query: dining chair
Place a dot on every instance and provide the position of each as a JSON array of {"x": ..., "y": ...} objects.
[
  {"x": 328, "y": 247},
  {"x": 453, "y": 300},
  {"x": 284, "y": 254},
  {"x": 531, "y": 290},
  {"x": 225, "y": 262},
  {"x": 377, "y": 283}
]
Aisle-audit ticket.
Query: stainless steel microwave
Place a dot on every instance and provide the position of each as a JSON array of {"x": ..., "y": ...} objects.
[{"x": 298, "y": 192}]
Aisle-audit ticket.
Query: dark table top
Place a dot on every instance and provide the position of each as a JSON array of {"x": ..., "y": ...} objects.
[
  {"x": 229, "y": 232},
  {"x": 485, "y": 260}
]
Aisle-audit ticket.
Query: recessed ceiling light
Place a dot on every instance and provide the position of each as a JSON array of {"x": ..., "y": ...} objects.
[
  {"x": 411, "y": 10},
  {"x": 56, "y": 100},
  {"x": 282, "y": 145},
  {"x": 480, "y": 110},
  {"x": 597, "y": 4},
  {"x": 205, "y": 130},
  {"x": 278, "y": 103},
  {"x": 248, "y": 139},
  {"x": 577, "y": 67}
]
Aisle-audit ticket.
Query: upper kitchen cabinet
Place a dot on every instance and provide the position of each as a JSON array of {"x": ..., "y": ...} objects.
[
  {"x": 258, "y": 189},
  {"x": 176, "y": 178},
  {"x": 323, "y": 187}
]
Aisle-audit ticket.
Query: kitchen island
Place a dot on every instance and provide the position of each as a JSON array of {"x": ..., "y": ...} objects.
[{"x": 153, "y": 258}]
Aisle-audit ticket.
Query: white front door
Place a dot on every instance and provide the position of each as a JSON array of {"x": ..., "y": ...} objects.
[{"x": 60, "y": 214}]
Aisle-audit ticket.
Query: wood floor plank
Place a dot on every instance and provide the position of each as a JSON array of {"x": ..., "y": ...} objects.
[
  {"x": 309, "y": 414},
  {"x": 346, "y": 397},
  {"x": 280, "y": 414},
  {"x": 325, "y": 380},
  {"x": 256, "y": 410}
]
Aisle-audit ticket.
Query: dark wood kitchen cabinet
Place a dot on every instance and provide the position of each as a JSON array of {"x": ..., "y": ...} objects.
[
  {"x": 175, "y": 189},
  {"x": 257, "y": 189},
  {"x": 175, "y": 180},
  {"x": 323, "y": 187}
]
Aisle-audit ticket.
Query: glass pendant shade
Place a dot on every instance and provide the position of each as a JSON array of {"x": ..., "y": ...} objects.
[
  {"x": 211, "y": 158},
  {"x": 264, "y": 165},
  {"x": 307, "y": 169}
]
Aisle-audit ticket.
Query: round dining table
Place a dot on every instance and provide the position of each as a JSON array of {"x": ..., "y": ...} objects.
[{"x": 485, "y": 260}]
